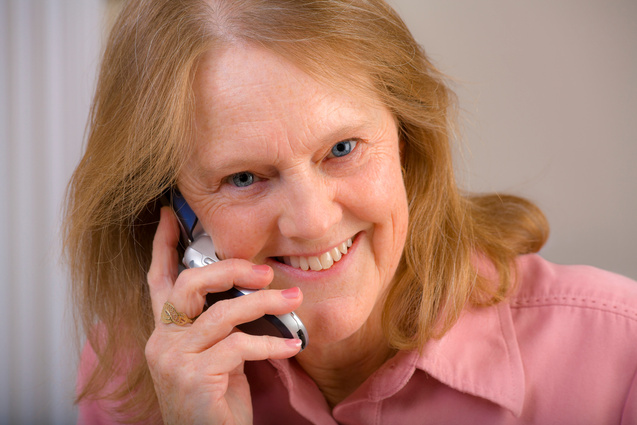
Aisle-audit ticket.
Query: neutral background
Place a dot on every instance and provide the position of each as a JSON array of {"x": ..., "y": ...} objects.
[{"x": 548, "y": 97}]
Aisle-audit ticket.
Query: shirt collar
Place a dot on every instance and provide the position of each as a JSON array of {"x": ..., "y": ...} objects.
[{"x": 479, "y": 356}]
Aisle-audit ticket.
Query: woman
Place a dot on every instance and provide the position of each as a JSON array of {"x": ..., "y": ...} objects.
[{"x": 296, "y": 130}]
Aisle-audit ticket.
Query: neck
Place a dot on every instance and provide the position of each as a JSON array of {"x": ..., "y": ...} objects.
[{"x": 338, "y": 369}]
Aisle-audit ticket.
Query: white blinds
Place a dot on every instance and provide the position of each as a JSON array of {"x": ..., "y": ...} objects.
[{"x": 49, "y": 51}]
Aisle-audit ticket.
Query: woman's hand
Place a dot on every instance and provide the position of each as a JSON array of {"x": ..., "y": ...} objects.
[{"x": 197, "y": 369}]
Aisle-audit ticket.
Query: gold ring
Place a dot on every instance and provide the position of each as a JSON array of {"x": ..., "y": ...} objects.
[{"x": 169, "y": 314}]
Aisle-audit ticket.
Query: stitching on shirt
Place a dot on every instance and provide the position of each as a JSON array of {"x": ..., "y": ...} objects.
[
  {"x": 377, "y": 419},
  {"x": 515, "y": 394},
  {"x": 575, "y": 301},
  {"x": 471, "y": 387}
]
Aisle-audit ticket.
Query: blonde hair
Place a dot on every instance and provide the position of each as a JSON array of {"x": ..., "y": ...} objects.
[{"x": 139, "y": 139}]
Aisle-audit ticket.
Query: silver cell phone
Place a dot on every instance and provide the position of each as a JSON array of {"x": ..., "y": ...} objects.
[{"x": 199, "y": 251}]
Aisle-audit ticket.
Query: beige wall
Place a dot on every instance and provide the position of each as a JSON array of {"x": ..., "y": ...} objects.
[{"x": 549, "y": 96}]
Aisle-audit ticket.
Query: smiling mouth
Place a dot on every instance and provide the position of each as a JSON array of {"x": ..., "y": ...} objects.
[{"x": 317, "y": 263}]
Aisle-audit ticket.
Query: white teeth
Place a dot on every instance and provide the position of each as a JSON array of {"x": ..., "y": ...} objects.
[
  {"x": 315, "y": 264},
  {"x": 323, "y": 262},
  {"x": 336, "y": 254},
  {"x": 303, "y": 263},
  {"x": 326, "y": 260}
]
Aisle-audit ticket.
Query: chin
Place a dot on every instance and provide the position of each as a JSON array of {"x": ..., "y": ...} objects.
[{"x": 334, "y": 320}]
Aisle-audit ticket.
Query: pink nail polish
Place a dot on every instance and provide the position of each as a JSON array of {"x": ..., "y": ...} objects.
[
  {"x": 291, "y": 293},
  {"x": 261, "y": 268},
  {"x": 294, "y": 343}
]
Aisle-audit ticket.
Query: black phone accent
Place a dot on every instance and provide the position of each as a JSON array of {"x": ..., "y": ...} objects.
[{"x": 200, "y": 252}]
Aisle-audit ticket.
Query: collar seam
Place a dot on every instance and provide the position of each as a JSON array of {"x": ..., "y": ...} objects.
[{"x": 568, "y": 300}]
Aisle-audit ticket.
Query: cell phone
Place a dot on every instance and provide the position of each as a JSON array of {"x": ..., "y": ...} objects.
[{"x": 199, "y": 251}]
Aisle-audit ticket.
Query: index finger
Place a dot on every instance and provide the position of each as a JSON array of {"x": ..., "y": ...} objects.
[{"x": 163, "y": 269}]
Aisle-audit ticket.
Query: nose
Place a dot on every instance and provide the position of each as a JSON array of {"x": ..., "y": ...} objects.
[{"x": 309, "y": 208}]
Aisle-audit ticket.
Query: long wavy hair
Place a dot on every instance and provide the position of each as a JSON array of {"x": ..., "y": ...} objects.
[{"x": 139, "y": 138}]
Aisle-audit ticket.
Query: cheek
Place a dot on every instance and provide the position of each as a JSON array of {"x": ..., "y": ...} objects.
[
  {"x": 378, "y": 193},
  {"x": 238, "y": 232},
  {"x": 390, "y": 232},
  {"x": 382, "y": 201}
]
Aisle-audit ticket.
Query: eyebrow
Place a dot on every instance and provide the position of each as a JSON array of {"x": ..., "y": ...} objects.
[{"x": 238, "y": 160}]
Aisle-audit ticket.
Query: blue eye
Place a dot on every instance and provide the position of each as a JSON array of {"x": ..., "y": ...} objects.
[
  {"x": 242, "y": 179},
  {"x": 343, "y": 148}
]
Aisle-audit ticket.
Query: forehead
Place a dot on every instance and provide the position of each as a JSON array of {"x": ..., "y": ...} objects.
[{"x": 241, "y": 88}]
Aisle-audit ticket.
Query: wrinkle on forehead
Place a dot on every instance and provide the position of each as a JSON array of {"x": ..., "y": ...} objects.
[
  {"x": 275, "y": 103},
  {"x": 210, "y": 74}
]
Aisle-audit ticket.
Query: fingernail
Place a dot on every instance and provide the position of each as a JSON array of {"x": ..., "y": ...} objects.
[
  {"x": 291, "y": 293},
  {"x": 294, "y": 343},
  {"x": 261, "y": 268}
]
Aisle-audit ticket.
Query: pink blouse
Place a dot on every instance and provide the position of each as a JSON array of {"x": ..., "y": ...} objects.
[{"x": 562, "y": 350}]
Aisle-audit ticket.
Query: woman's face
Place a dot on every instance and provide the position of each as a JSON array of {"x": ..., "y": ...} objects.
[{"x": 288, "y": 172}]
